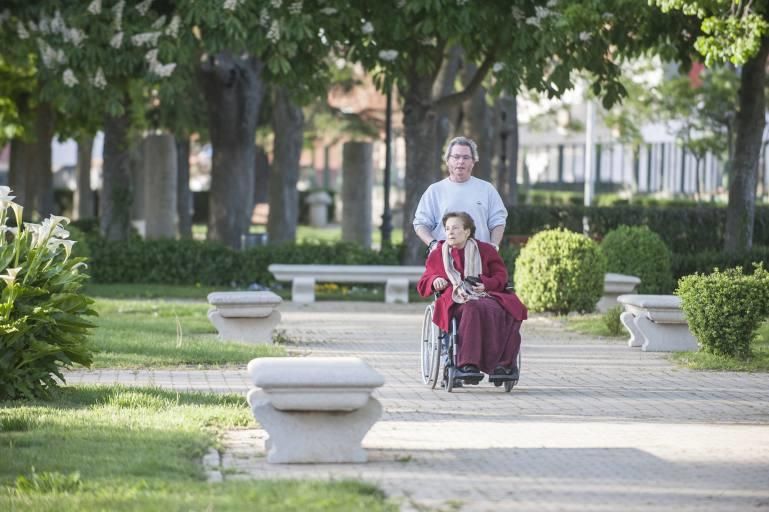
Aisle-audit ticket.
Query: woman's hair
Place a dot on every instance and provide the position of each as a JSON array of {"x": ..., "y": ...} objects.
[
  {"x": 462, "y": 141},
  {"x": 467, "y": 221}
]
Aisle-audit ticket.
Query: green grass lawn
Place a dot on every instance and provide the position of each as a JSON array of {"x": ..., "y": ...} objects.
[
  {"x": 117, "y": 448},
  {"x": 154, "y": 333},
  {"x": 592, "y": 324}
]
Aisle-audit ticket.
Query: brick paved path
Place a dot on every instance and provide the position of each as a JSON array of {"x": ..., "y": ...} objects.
[{"x": 593, "y": 424}]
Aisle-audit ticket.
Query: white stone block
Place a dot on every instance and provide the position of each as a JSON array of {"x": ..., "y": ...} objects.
[
  {"x": 397, "y": 291},
  {"x": 658, "y": 323},
  {"x": 249, "y": 317},
  {"x": 628, "y": 320},
  {"x": 303, "y": 290},
  {"x": 315, "y": 409},
  {"x": 615, "y": 285},
  {"x": 245, "y": 329}
]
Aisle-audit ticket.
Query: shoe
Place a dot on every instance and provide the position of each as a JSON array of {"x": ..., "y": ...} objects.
[
  {"x": 501, "y": 373},
  {"x": 469, "y": 370}
]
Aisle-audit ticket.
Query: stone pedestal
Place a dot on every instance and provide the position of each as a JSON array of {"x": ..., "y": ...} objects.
[
  {"x": 357, "y": 183},
  {"x": 248, "y": 317},
  {"x": 656, "y": 323},
  {"x": 318, "y": 202},
  {"x": 315, "y": 409},
  {"x": 615, "y": 285},
  {"x": 160, "y": 175}
]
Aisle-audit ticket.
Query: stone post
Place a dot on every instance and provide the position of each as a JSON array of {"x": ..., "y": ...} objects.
[
  {"x": 357, "y": 182},
  {"x": 318, "y": 202},
  {"x": 160, "y": 174}
]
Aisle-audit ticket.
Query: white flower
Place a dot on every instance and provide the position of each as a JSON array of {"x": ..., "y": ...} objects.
[
  {"x": 21, "y": 31},
  {"x": 98, "y": 79},
  {"x": 328, "y": 11},
  {"x": 585, "y": 36},
  {"x": 18, "y": 212},
  {"x": 295, "y": 7},
  {"x": 542, "y": 12},
  {"x": 6, "y": 199},
  {"x": 534, "y": 21},
  {"x": 518, "y": 14},
  {"x": 158, "y": 23},
  {"x": 95, "y": 7},
  {"x": 151, "y": 56},
  {"x": 44, "y": 26},
  {"x": 552, "y": 3},
  {"x": 230, "y": 5},
  {"x": 173, "y": 28},
  {"x": 10, "y": 275},
  {"x": 146, "y": 39},
  {"x": 117, "y": 40},
  {"x": 276, "y": 3},
  {"x": 162, "y": 70},
  {"x": 388, "y": 55},
  {"x": 144, "y": 6},
  {"x": 74, "y": 36},
  {"x": 497, "y": 67},
  {"x": 264, "y": 18},
  {"x": 69, "y": 78},
  {"x": 367, "y": 28},
  {"x": 57, "y": 23},
  {"x": 117, "y": 11},
  {"x": 58, "y": 219},
  {"x": 274, "y": 33}
]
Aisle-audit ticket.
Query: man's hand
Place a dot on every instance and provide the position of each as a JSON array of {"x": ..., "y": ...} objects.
[{"x": 440, "y": 284}]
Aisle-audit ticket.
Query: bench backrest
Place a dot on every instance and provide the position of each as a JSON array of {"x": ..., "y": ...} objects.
[{"x": 346, "y": 273}]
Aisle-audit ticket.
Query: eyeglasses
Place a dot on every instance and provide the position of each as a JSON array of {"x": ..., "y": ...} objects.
[{"x": 464, "y": 158}]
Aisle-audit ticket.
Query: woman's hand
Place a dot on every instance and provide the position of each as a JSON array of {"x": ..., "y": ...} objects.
[{"x": 440, "y": 284}]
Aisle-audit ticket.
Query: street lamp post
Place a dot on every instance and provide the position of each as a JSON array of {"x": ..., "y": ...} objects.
[{"x": 387, "y": 227}]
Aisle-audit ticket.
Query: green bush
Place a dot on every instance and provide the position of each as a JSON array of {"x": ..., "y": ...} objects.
[
  {"x": 560, "y": 271},
  {"x": 612, "y": 321},
  {"x": 42, "y": 328},
  {"x": 639, "y": 251},
  {"x": 725, "y": 308},
  {"x": 189, "y": 262}
]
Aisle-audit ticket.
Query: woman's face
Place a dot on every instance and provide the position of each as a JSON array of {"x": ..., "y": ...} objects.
[{"x": 456, "y": 233}]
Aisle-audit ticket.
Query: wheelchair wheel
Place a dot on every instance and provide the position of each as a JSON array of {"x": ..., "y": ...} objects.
[
  {"x": 452, "y": 372},
  {"x": 430, "y": 349},
  {"x": 510, "y": 384}
]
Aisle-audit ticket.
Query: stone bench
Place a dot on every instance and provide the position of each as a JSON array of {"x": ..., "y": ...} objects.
[
  {"x": 656, "y": 323},
  {"x": 250, "y": 317},
  {"x": 304, "y": 277},
  {"x": 314, "y": 409},
  {"x": 615, "y": 285}
]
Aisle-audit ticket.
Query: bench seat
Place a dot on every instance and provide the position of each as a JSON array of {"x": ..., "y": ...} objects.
[
  {"x": 244, "y": 316},
  {"x": 656, "y": 323},
  {"x": 303, "y": 278},
  {"x": 315, "y": 409}
]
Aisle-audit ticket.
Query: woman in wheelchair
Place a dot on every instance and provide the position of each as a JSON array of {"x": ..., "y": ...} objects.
[{"x": 471, "y": 280}]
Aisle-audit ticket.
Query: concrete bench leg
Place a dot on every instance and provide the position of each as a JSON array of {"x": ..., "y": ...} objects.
[
  {"x": 316, "y": 436},
  {"x": 303, "y": 290},
  {"x": 397, "y": 290},
  {"x": 246, "y": 329},
  {"x": 659, "y": 337},
  {"x": 628, "y": 320}
]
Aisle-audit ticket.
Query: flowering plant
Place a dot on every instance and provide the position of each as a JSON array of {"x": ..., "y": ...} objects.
[{"x": 42, "y": 328}]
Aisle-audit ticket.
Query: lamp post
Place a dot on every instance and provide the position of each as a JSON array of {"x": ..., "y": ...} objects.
[{"x": 387, "y": 227}]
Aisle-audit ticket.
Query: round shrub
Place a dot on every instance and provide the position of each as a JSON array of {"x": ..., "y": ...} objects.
[
  {"x": 724, "y": 309},
  {"x": 560, "y": 271},
  {"x": 639, "y": 251}
]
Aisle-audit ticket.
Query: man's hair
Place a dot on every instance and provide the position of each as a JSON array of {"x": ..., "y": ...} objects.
[
  {"x": 467, "y": 221},
  {"x": 462, "y": 141}
]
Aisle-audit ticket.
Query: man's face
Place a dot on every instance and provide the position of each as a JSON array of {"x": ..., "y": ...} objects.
[{"x": 460, "y": 163}]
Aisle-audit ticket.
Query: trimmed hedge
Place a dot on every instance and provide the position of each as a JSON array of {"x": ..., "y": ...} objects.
[
  {"x": 724, "y": 309},
  {"x": 706, "y": 261},
  {"x": 560, "y": 271},
  {"x": 639, "y": 251},
  {"x": 189, "y": 262},
  {"x": 683, "y": 229}
]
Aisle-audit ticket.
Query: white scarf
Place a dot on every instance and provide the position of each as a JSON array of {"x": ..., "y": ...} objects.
[{"x": 460, "y": 292}]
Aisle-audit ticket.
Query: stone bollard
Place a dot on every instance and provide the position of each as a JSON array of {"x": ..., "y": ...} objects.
[
  {"x": 315, "y": 409},
  {"x": 249, "y": 317},
  {"x": 318, "y": 202}
]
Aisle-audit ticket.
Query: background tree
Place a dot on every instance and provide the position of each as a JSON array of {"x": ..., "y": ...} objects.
[{"x": 736, "y": 32}]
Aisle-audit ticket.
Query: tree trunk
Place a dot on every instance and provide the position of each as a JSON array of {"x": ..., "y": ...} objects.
[
  {"x": 261, "y": 176},
  {"x": 160, "y": 175},
  {"x": 419, "y": 126},
  {"x": 116, "y": 191},
  {"x": 183, "y": 193},
  {"x": 30, "y": 172},
  {"x": 507, "y": 172},
  {"x": 477, "y": 124},
  {"x": 750, "y": 122},
  {"x": 84, "y": 204},
  {"x": 233, "y": 89},
  {"x": 288, "y": 126},
  {"x": 444, "y": 85}
]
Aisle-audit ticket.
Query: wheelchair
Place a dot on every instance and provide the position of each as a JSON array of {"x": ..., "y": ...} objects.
[{"x": 438, "y": 349}]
